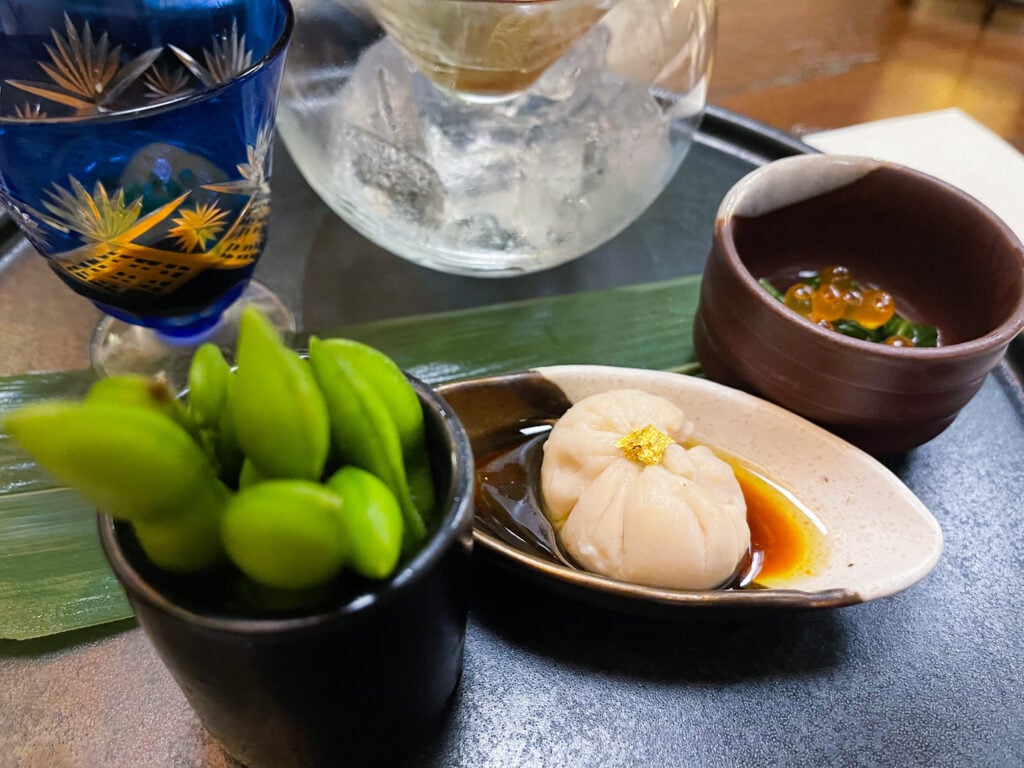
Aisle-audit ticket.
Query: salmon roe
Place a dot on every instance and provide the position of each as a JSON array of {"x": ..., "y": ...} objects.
[
  {"x": 899, "y": 340},
  {"x": 837, "y": 297},
  {"x": 798, "y": 298},
  {"x": 827, "y": 304},
  {"x": 838, "y": 276},
  {"x": 875, "y": 310}
]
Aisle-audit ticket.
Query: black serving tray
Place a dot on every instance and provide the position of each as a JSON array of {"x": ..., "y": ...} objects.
[{"x": 929, "y": 677}]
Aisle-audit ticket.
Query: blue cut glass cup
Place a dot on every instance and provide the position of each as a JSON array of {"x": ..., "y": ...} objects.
[{"x": 135, "y": 155}]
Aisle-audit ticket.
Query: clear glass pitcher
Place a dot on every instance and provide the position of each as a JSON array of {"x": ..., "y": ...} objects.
[{"x": 494, "y": 138}]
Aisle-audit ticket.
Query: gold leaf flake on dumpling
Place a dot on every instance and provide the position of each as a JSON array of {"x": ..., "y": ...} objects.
[{"x": 646, "y": 445}]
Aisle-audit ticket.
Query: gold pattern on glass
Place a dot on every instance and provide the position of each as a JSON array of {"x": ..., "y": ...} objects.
[
  {"x": 125, "y": 251},
  {"x": 97, "y": 217},
  {"x": 28, "y": 220},
  {"x": 164, "y": 83},
  {"x": 228, "y": 58},
  {"x": 28, "y": 111},
  {"x": 243, "y": 242},
  {"x": 195, "y": 227},
  {"x": 86, "y": 73}
]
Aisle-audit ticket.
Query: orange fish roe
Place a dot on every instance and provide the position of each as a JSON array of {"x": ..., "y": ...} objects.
[{"x": 837, "y": 297}]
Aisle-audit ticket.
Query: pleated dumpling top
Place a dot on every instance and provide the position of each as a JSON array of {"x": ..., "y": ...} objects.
[{"x": 628, "y": 501}]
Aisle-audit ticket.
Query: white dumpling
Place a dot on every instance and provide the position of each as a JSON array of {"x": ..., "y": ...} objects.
[{"x": 678, "y": 522}]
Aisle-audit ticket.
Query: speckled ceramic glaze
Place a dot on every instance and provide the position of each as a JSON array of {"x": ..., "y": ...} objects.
[
  {"x": 878, "y": 538},
  {"x": 952, "y": 262},
  {"x": 352, "y": 685}
]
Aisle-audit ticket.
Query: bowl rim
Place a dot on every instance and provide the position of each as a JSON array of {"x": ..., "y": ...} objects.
[
  {"x": 276, "y": 50},
  {"x": 457, "y": 521},
  {"x": 856, "y": 166}
]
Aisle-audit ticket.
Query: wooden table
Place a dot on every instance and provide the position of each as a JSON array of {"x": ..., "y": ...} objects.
[{"x": 809, "y": 65}]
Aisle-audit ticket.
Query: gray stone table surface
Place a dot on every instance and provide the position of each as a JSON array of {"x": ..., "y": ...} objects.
[{"x": 929, "y": 677}]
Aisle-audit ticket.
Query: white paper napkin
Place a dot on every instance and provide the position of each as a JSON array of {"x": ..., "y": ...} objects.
[{"x": 947, "y": 144}]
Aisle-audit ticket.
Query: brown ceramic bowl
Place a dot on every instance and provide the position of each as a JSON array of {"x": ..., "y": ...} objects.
[{"x": 948, "y": 260}]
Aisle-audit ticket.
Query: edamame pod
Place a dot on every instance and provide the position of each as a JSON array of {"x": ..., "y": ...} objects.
[
  {"x": 209, "y": 379},
  {"x": 372, "y": 522},
  {"x": 130, "y": 461},
  {"x": 421, "y": 484},
  {"x": 225, "y": 439},
  {"x": 184, "y": 543},
  {"x": 285, "y": 534},
  {"x": 278, "y": 411},
  {"x": 364, "y": 432},
  {"x": 384, "y": 376},
  {"x": 250, "y": 475},
  {"x": 133, "y": 389},
  {"x": 208, "y": 385}
]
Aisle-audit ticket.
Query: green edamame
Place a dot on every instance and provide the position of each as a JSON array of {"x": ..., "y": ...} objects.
[
  {"x": 269, "y": 427},
  {"x": 131, "y": 462},
  {"x": 250, "y": 475},
  {"x": 278, "y": 411},
  {"x": 133, "y": 389},
  {"x": 372, "y": 521},
  {"x": 286, "y": 534},
  {"x": 186, "y": 542},
  {"x": 384, "y": 376},
  {"x": 209, "y": 378},
  {"x": 208, "y": 385},
  {"x": 421, "y": 484},
  {"x": 224, "y": 439},
  {"x": 364, "y": 432}
]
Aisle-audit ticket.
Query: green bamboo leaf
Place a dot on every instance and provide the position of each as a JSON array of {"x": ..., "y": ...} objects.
[
  {"x": 640, "y": 326},
  {"x": 18, "y": 472},
  {"x": 53, "y": 576}
]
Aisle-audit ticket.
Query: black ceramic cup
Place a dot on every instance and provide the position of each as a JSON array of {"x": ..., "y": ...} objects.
[{"x": 353, "y": 684}]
